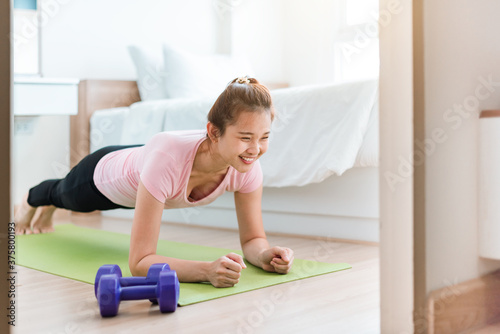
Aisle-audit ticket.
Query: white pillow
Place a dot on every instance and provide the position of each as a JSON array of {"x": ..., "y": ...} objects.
[
  {"x": 192, "y": 76},
  {"x": 150, "y": 73}
]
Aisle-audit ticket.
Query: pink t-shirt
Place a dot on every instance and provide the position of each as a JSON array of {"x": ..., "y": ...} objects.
[{"x": 164, "y": 165}]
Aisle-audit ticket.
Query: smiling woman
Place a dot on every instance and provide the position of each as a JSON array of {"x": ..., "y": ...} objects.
[
  {"x": 177, "y": 170},
  {"x": 246, "y": 108}
]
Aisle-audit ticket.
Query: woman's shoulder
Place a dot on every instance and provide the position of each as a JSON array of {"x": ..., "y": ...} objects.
[
  {"x": 179, "y": 136},
  {"x": 176, "y": 137},
  {"x": 177, "y": 144}
]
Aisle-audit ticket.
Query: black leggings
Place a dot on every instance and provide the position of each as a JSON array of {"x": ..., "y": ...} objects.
[{"x": 77, "y": 191}]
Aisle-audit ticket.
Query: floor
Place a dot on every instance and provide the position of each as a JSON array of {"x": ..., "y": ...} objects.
[{"x": 343, "y": 302}]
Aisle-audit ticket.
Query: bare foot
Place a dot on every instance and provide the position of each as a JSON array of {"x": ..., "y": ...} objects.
[
  {"x": 23, "y": 216},
  {"x": 43, "y": 221}
]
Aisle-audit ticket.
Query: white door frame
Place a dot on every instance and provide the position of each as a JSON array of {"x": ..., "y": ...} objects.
[{"x": 402, "y": 283}]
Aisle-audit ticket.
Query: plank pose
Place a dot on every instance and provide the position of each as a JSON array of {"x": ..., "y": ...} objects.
[{"x": 177, "y": 170}]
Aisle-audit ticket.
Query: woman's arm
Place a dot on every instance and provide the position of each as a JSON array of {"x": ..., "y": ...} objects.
[
  {"x": 223, "y": 272},
  {"x": 253, "y": 237}
]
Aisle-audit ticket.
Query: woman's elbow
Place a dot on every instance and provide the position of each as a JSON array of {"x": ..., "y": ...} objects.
[
  {"x": 134, "y": 264},
  {"x": 134, "y": 267}
]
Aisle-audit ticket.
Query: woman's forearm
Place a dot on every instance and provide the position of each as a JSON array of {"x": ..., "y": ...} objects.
[
  {"x": 252, "y": 250},
  {"x": 187, "y": 270}
]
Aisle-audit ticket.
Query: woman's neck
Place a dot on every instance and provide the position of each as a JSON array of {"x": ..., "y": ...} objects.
[{"x": 208, "y": 160}]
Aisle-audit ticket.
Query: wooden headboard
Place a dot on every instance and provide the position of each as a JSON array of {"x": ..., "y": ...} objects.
[{"x": 95, "y": 95}]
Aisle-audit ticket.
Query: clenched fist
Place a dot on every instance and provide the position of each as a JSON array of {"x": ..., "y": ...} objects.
[
  {"x": 277, "y": 259},
  {"x": 226, "y": 270}
]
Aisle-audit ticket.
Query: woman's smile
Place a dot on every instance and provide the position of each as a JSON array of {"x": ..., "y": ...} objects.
[{"x": 247, "y": 160}]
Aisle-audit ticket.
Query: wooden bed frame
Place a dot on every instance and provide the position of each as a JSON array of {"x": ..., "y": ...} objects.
[{"x": 95, "y": 95}]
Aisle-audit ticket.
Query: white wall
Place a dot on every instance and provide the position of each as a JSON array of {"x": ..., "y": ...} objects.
[
  {"x": 287, "y": 40},
  {"x": 461, "y": 45},
  {"x": 88, "y": 38},
  {"x": 40, "y": 151},
  {"x": 310, "y": 28},
  {"x": 257, "y": 33}
]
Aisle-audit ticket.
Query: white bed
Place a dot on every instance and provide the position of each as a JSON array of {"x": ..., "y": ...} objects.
[{"x": 320, "y": 172}]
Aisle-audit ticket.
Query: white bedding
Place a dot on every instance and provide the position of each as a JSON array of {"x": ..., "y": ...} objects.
[{"x": 319, "y": 130}]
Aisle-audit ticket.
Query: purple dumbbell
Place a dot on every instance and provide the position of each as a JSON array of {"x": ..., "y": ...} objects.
[
  {"x": 110, "y": 293},
  {"x": 151, "y": 279}
]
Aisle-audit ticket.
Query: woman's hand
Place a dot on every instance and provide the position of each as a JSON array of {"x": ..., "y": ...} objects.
[
  {"x": 277, "y": 259},
  {"x": 226, "y": 270}
]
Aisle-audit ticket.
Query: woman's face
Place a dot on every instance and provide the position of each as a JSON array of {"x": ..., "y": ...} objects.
[{"x": 246, "y": 140}]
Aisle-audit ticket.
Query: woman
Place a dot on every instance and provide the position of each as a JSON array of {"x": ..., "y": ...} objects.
[{"x": 175, "y": 170}]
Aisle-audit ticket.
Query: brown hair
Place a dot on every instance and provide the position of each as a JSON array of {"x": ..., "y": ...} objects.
[{"x": 241, "y": 94}]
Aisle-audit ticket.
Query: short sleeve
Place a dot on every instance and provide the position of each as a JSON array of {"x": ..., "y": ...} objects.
[
  {"x": 252, "y": 179},
  {"x": 158, "y": 175}
]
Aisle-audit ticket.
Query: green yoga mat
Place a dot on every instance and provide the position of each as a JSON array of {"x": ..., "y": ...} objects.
[{"x": 77, "y": 253}]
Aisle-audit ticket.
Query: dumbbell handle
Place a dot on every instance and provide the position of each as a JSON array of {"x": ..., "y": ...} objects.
[
  {"x": 136, "y": 280},
  {"x": 138, "y": 292}
]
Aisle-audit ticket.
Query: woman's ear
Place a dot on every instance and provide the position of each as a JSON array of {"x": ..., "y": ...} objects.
[{"x": 213, "y": 132}]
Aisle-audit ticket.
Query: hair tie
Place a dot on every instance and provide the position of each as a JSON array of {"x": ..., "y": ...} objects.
[{"x": 243, "y": 80}]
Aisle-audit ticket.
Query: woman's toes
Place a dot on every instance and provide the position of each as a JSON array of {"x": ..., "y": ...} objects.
[
  {"x": 23, "y": 230},
  {"x": 43, "y": 229}
]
